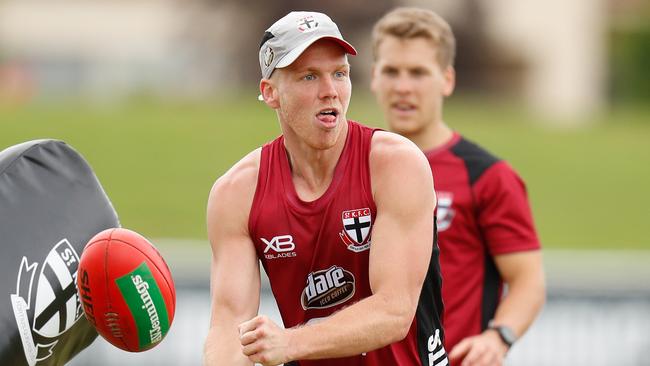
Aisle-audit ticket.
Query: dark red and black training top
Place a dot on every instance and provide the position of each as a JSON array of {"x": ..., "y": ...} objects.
[
  {"x": 316, "y": 254},
  {"x": 482, "y": 211}
]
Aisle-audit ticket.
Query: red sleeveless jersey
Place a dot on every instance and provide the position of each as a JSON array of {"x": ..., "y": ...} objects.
[{"x": 316, "y": 253}]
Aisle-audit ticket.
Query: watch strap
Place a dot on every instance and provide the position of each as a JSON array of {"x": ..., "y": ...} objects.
[{"x": 506, "y": 333}]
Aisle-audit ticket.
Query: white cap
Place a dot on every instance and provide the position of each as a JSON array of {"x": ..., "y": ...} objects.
[{"x": 290, "y": 36}]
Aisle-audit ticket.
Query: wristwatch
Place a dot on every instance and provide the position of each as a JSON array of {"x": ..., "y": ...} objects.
[{"x": 506, "y": 333}]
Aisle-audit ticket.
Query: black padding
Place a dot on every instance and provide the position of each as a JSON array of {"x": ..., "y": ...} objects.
[{"x": 51, "y": 204}]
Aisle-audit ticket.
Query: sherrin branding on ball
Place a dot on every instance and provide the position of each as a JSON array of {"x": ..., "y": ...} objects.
[{"x": 126, "y": 289}]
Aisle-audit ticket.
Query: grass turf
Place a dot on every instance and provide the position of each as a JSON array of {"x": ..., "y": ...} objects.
[{"x": 157, "y": 160}]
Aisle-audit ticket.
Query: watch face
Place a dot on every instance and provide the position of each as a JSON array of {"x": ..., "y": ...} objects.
[{"x": 507, "y": 335}]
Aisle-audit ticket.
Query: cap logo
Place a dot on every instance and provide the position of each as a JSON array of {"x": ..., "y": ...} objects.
[
  {"x": 307, "y": 24},
  {"x": 268, "y": 56}
]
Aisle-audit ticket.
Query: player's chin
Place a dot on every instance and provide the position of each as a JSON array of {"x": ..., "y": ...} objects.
[
  {"x": 403, "y": 126},
  {"x": 323, "y": 141},
  {"x": 323, "y": 145}
]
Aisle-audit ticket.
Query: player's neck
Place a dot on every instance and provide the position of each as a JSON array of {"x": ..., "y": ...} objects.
[
  {"x": 432, "y": 136},
  {"x": 312, "y": 170}
]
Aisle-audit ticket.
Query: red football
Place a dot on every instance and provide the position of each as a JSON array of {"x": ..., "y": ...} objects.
[{"x": 126, "y": 289}]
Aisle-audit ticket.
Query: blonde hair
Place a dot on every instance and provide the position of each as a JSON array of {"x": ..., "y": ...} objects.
[{"x": 409, "y": 23}]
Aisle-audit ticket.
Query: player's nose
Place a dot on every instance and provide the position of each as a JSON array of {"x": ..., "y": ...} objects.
[
  {"x": 403, "y": 84},
  {"x": 327, "y": 88}
]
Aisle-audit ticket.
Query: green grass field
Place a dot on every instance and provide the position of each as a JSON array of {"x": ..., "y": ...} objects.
[{"x": 158, "y": 160}]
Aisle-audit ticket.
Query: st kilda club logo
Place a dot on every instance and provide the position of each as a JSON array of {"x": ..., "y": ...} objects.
[
  {"x": 327, "y": 288},
  {"x": 46, "y": 308},
  {"x": 445, "y": 210},
  {"x": 307, "y": 24},
  {"x": 356, "y": 229}
]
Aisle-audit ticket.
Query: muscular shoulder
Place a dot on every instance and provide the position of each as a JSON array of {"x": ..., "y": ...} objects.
[
  {"x": 243, "y": 173},
  {"x": 233, "y": 192},
  {"x": 396, "y": 160},
  {"x": 388, "y": 147}
]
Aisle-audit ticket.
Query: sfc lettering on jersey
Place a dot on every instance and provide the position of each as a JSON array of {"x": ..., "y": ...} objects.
[
  {"x": 445, "y": 211},
  {"x": 356, "y": 229},
  {"x": 327, "y": 288},
  {"x": 279, "y": 247}
]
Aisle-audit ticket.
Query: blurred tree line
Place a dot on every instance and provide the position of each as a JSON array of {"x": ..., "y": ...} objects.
[
  {"x": 480, "y": 65},
  {"x": 629, "y": 51},
  {"x": 630, "y": 63},
  {"x": 354, "y": 19}
]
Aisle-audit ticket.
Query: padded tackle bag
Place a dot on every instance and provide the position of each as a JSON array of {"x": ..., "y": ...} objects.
[{"x": 51, "y": 204}]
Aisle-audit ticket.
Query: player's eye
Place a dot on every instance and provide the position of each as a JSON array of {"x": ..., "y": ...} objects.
[
  {"x": 340, "y": 74},
  {"x": 418, "y": 72},
  {"x": 309, "y": 77},
  {"x": 389, "y": 71}
]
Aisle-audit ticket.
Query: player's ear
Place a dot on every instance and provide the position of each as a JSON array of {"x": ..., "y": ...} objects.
[
  {"x": 373, "y": 81},
  {"x": 450, "y": 81},
  {"x": 269, "y": 93}
]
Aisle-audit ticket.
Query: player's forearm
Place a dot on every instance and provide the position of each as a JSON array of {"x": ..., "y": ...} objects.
[
  {"x": 372, "y": 323},
  {"x": 222, "y": 349},
  {"x": 523, "y": 302}
]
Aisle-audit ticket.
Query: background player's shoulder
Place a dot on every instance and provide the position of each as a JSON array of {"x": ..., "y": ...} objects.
[{"x": 477, "y": 159}]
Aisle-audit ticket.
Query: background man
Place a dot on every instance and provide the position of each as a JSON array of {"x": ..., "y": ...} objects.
[
  {"x": 487, "y": 236},
  {"x": 347, "y": 244}
]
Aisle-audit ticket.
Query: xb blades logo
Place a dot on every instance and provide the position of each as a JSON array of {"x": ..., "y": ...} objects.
[
  {"x": 282, "y": 245},
  {"x": 48, "y": 310}
]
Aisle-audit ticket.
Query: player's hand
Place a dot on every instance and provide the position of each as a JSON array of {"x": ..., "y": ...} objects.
[
  {"x": 264, "y": 342},
  {"x": 485, "y": 349}
]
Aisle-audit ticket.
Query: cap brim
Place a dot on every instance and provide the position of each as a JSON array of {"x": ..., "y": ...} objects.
[{"x": 293, "y": 55}]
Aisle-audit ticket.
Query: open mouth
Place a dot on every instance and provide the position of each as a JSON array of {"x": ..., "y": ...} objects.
[
  {"x": 403, "y": 107},
  {"x": 329, "y": 112},
  {"x": 328, "y": 117}
]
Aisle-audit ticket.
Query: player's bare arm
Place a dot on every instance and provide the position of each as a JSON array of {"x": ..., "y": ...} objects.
[
  {"x": 401, "y": 248},
  {"x": 524, "y": 275},
  {"x": 235, "y": 277}
]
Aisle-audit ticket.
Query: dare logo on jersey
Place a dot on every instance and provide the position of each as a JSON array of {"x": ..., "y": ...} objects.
[
  {"x": 356, "y": 229},
  {"x": 327, "y": 288}
]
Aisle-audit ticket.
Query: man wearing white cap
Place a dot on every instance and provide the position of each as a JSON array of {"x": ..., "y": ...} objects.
[{"x": 348, "y": 244}]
